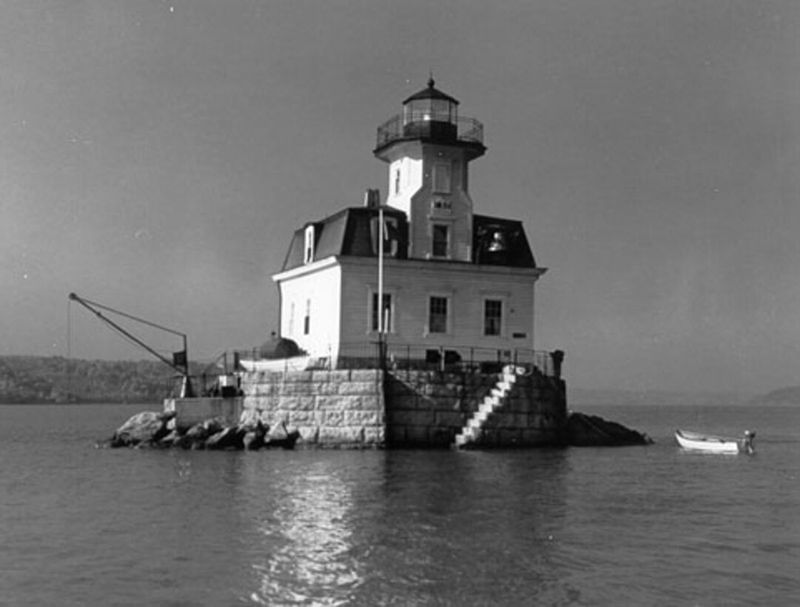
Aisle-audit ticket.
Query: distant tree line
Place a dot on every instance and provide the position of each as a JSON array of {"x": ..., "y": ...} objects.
[{"x": 55, "y": 379}]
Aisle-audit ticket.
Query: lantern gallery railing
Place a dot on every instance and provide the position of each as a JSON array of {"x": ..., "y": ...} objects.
[{"x": 467, "y": 130}]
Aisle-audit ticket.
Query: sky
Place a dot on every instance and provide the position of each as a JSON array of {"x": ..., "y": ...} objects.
[{"x": 156, "y": 156}]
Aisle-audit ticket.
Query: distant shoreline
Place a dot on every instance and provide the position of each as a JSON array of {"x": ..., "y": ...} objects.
[
  {"x": 81, "y": 402},
  {"x": 53, "y": 380}
]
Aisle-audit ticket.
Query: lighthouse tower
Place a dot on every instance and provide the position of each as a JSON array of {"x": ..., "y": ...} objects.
[{"x": 428, "y": 148}]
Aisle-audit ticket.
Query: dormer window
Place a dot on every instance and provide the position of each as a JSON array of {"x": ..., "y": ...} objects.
[{"x": 308, "y": 256}]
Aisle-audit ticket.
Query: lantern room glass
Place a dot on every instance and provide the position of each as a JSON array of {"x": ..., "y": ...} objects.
[{"x": 429, "y": 110}]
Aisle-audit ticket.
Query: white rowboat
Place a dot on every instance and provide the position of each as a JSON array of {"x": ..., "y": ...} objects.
[{"x": 694, "y": 441}]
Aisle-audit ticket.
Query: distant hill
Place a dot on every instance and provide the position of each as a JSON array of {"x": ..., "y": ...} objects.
[
  {"x": 782, "y": 396},
  {"x": 577, "y": 397},
  {"x": 55, "y": 379}
]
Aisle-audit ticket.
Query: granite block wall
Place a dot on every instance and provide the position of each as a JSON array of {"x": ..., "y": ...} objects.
[
  {"x": 337, "y": 408},
  {"x": 362, "y": 408},
  {"x": 428, "y": 409}
]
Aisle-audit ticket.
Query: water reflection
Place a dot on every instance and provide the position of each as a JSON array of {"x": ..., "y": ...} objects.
[
  {"x": 308, "y": 555},
  {"x": 399, "y": 528}
]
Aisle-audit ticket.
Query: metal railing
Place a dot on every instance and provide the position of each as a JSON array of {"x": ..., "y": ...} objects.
[
  {"x": 404, "y": 356},
  {"x": 467, "y": 130}
]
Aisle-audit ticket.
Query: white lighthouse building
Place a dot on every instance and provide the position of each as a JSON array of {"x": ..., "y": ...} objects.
[{"x": 446, "y": 282}]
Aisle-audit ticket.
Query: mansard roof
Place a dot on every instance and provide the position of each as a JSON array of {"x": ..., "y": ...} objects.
[
  {"x": 500, "y": 242},
  {"x": 348, "y": 232},
  {"x": 351, "y": 232}
]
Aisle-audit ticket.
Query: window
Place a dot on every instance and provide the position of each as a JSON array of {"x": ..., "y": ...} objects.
[
  {"x": 441, "y": 177},
  {"x": 440, "y": 240},
  {"x": 307, "y": 318},
  {"x": 492, "y": 317},
  {"x": 397, "y": 181},
  {"x": 391, "y": 235},
  {"x": 437, "y": 315},
  {"x": 387, "y": 312},
  {"x": 308, "y": 256}
]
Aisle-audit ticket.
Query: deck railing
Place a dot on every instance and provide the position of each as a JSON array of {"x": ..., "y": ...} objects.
[{"x": 405, "y": 356}]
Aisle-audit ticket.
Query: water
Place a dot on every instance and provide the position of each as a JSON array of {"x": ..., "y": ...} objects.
[{"x": 627, "y": 526}]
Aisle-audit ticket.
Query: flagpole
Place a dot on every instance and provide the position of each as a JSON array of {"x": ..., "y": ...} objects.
[
  {"x": 380, "y": 272},
  {"x": 381, "y": 344}
]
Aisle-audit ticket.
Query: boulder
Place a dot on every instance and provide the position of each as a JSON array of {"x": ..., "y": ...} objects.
[
  {"x": 281, "y": 437},
  {"x": 146, "y": 427},
  {"x": 253, "y": 436},
  {"x": 228, "y": 438},
  {"x": 592, "y": 431},
  {"x": 252, "y": 429},
  {"x": 152, "y": 429},
  {"x": 250, "y": 419},
  {"x": 171, "y": 439},
  {"x": 196, "y": 436}
]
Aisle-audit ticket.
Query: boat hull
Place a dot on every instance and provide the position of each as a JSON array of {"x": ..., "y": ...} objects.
[{"x": 693, "y": 441}]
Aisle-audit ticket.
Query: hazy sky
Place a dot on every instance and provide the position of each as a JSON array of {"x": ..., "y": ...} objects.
[{"x": 157, "y": 155}]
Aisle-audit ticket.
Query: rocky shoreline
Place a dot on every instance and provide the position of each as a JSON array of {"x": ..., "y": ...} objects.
[
  {"x": 151, "y": 429},
  {"x": 584, "y": 430}
]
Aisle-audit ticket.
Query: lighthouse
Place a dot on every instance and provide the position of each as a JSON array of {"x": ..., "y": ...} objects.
[{"x": 452, "y": 280}]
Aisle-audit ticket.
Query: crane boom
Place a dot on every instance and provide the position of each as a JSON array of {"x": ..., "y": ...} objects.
[{"x": 180, "y": 360}]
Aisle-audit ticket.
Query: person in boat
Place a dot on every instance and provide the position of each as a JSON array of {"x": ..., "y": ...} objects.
[{"x": 747, "y": 441}]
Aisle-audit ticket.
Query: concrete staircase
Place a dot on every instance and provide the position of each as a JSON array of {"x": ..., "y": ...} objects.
[{"x": 491, "y": 402}]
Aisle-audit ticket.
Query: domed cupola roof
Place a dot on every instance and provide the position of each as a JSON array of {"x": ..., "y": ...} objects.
[{"x": 431, "y": 92}]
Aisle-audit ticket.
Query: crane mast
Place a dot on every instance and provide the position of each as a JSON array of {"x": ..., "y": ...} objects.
[{"x": 180, "y": 360}]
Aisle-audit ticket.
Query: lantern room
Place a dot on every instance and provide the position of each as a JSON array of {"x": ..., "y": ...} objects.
[{"x": 430, "y": 113}]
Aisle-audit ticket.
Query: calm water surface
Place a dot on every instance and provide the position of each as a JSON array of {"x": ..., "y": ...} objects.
[{"x": 627, "y": 526}]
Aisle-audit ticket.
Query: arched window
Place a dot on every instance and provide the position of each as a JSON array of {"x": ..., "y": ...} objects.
[{"x": 308, "y": 256}]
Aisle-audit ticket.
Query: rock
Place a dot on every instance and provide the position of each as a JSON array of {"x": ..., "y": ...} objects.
[
  {"x": 250, "y": 419},
  {"x": 152, "y": 429},
  {"x": 252, "y": 441},
  {"x": 252, "y": 429},
  {"x": 253, "y": 436},
  {"x": 197, "y": 435},
  {"x": 281, "y": 437},
  {"x": 145, "y": 427},
  {"x": 170, "y": 439},
  {"x": 228, "y": 438},
  {"x": 592, "y": 431}
]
